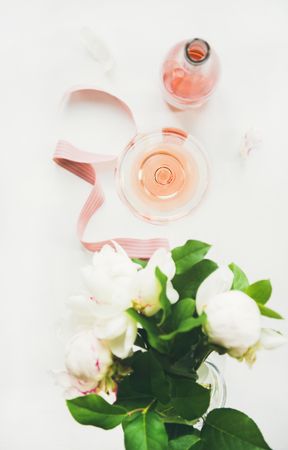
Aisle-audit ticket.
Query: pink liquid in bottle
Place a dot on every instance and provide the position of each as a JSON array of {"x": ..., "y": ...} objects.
[{"x": 189, "y": 74}]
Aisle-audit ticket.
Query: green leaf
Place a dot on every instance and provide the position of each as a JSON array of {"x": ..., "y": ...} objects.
[
  {"x": 187, "y": 284},
  {"x": 185, "y": 326},
  {"x": 228, "y": 429},
  {"x": 240, "y": 282},
  {"x": 142, "y": 262},
  {"x": 151, "y": 329},
  {"x": 268, "y": 312},
  {"x": 260, "y": 291},
  {"x": 182, "y": 310},
  {"x": 149, "y": 377},
  {"x": 189, "y": 399},
  {"x": 164, "y": 301},
  {"x": 175, "y": 430},
  {"x": 144, "y": 431},
  {"x": 184, "y": 442},
  {"x": 94, "y": 410},
  {"x": 129, "y": 398},
  {"x": 189, "y": 254},
  {"x": 141, "y": 339},
  {"x": 160, "y": 385},
  {"x": 184, "y": 366}
]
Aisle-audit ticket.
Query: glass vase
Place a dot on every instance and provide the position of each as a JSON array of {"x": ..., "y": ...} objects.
[{"x": 210, "y": 376}]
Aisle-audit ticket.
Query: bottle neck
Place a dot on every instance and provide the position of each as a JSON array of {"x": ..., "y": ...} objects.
[{"x": 196, "y": 53}]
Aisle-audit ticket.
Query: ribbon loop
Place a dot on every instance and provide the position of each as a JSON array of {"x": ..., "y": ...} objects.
[{"x": 84, "y": 165}]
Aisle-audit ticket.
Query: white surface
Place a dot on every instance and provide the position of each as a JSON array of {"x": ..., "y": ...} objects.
[{"x": 244, "y": 215}]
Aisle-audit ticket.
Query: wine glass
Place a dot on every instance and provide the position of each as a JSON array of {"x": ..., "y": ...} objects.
[{"x": 162, "y": 176}]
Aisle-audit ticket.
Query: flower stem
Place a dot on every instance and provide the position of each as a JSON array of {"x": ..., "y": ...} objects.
[
  {"x": 179, "y": 421},
  {"x": 143, "y": 410}
]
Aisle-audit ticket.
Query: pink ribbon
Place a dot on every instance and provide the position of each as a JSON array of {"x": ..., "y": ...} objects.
[{"x": 84, "y": 165}]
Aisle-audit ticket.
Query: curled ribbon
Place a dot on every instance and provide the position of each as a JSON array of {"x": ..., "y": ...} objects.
[{"x": 84, "y": 165}]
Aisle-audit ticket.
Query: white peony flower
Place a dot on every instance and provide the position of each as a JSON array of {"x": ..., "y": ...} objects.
[
  {"x": 110, "y": 280},
  {"x": 87, "y": 364},
  {"x": 147, "y": 288},
  {"x": 118, "y": 331},
  {"x": 233, "y": 318}
]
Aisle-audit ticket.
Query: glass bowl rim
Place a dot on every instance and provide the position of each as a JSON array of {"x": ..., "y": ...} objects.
[{"x": 168, "y": 131}]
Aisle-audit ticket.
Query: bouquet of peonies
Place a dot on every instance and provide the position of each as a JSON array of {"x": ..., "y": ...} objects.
[{"x": 138, "y": 339}]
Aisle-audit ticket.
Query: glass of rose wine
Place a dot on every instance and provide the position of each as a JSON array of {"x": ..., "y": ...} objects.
[{"x": 163, "y": 175}]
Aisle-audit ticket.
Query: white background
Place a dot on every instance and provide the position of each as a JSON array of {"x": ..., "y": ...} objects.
[{"x": 244, "y": 215}]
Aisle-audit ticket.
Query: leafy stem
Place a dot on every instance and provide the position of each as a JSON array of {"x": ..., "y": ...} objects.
[
  {"x": 178, "y": 420},
  {"x": 143, "y": 410}
]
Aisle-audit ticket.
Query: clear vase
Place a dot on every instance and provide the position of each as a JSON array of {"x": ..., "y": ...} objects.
[
  {"x": 189, "y": 74},
  {"x": 210, "y": 376}
]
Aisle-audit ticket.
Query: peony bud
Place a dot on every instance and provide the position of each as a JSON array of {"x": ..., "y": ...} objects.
[
  {"x": 233, "y": 322},
  {"x": 233, "y": 318}
]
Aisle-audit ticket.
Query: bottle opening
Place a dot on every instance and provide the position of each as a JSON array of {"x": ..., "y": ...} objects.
[{"x": 197, "y": 51}]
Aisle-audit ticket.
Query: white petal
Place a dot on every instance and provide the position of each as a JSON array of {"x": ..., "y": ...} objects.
[
  {"x": 72, "y": 392},
  {"x": 171, "y": 293},
  {"x": 107, "y": 311},
  {"x": 251, "y": 141},
  {"x": 122, "y": 346},
  {"x": 120, "y": 249},
  {"x": 146, "y": 286},
  {"x": 101, "y": 257},
  {"x": 111, "y": 328},
  {"x": 271, "y": 339},
  {"x": 163, "y": 259},
  {"x": 156, "y": 258},
  {"x": 62, "y": 378},
  {"x": 98, "y": 283},
  {"x": 68, "y": 383},
  {"x": 147, "y": 291},
  {"x": 97, "y": 49},
  {"x": 219, "y": 281},
  {"x": 82, "y": 307},
  {"x": 105, "y": 250},
  {"x": 85, "y": 309}
]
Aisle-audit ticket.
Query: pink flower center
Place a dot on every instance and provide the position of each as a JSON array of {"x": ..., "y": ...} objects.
[{"x": 97, "y": 365}]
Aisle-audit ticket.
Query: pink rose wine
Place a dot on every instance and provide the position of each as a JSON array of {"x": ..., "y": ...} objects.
[
  {"x": 162, "y": 175},
  {"x": 189, "y": 74}
]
